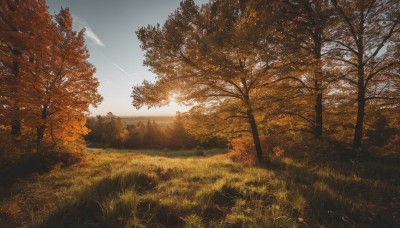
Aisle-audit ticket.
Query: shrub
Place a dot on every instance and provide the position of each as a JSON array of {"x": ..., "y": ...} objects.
[
  {"x": 275, "y": 147},
  {"x": 243, "y": 151}
]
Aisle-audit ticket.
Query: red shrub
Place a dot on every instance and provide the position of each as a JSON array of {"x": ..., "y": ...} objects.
[{"x": 243, "y": 151}]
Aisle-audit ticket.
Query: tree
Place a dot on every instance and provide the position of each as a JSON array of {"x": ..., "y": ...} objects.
[
  {"x": 209, "y": 55},
  {"x": 49, "y": 82},
  {"x": 67, "y": 87},
  {"x": 306, "y": 29},
  {"x": 113, "y": 131},
  {"x": 135, "y": 137},
  {"x": 177, "y": 134},
  {"x": 20, "y": 41},
  {"x": 366, "y": 49}
]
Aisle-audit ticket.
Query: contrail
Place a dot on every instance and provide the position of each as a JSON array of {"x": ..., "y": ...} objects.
[
  {"x": 89, "y": 33},
  {"x": 116, "y": 65}
]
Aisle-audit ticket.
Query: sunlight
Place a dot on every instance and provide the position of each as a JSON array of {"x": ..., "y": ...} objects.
[{"x": 200, "y": 113}]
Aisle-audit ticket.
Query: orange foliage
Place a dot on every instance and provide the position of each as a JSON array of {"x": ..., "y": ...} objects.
[
  {"x": 244, "y": 151},
  {"x": 275, "y": 147},
  {"x": 47, "y": 83}
]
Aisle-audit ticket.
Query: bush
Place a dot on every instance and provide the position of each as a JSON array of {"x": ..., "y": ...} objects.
[
  {"x": 304, "y": 147},
  {"x": 243, "y": 151},
  {"x": 275, "y": 147}
]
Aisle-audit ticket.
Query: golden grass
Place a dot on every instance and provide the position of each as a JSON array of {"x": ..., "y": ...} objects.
[{"x": 132, "y": 188}]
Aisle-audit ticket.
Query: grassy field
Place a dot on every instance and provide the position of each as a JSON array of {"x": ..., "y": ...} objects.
[{"x": 126, "y": 188}]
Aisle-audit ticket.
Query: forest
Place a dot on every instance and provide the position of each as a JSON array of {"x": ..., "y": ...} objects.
[
  {"x": 112, "y": 131},
  {"x": 294, "y": 119}
]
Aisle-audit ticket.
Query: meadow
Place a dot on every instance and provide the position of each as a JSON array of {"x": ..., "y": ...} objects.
[
  {"x": 203, "y": 188},
  {"x": 305, "y": 93}
]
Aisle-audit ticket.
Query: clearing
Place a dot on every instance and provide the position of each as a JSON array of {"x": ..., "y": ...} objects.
[{"x": 192, "y": 188}]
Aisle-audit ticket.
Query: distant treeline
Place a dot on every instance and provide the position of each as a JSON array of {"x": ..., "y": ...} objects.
[{"x": 111, "y": 130}]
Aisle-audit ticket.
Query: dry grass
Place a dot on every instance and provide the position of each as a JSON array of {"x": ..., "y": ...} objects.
[{"x": 114, "y": 188}]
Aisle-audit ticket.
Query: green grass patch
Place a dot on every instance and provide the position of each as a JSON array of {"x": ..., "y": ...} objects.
[{"x": 157, "y": 188}]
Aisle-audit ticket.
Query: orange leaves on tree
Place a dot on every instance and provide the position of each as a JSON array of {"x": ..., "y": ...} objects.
[{"x": 48, "y": 82}]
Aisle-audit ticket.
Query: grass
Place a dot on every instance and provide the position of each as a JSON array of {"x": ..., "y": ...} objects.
[{"x": 136, "y": 188}]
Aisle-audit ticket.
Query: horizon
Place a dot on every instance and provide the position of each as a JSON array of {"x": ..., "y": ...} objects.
[{"x": 139, "y": 116}]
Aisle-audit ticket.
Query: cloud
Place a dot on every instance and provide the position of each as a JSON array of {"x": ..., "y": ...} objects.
[{"x": 80, "y": 23}]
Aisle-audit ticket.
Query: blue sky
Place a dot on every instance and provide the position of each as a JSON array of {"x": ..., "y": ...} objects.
[{"x": 114, "y": 48}]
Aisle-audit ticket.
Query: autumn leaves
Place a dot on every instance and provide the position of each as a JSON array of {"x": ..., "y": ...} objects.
[
  {"x": 304, "y": 65},
  {"x": 47, "y": 82}
]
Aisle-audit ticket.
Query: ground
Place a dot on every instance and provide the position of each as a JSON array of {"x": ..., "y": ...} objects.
[{"x": 203, "y": 188}]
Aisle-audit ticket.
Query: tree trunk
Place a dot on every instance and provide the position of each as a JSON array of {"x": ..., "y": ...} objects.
[
  {"x": 41, "y": 129},
  {"x": 318, "y": 75},
  {"x": 358, "y": 132},
  {"x": 39, "y": 136},
  {"x": 256, "y": 137},
  {"x": 318, "y": 110},
  {"x": 16, "y": 119},
  {"x": 16, "y": 126}
]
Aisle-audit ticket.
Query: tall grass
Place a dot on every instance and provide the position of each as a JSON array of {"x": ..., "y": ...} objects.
[{"x": 115, "y": 188}]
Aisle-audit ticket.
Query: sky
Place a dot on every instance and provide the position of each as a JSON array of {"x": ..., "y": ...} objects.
[{"x": 115, "y": 50}]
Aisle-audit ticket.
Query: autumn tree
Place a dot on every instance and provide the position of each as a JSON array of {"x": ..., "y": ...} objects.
[
  {"x": 67, "y": 87},
  {"x": 209, "y": 55},
  {"x": 50, "y": 82},
  {"x": 19, "y": 43},
  {"x": 366, "y": 50},
  {"x": 305, "y": 28}
]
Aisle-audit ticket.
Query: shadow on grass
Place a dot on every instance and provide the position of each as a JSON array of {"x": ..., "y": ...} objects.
[
  {"x": 192, "y": 153},
  {"x": 130, "y": 200},
  {"x": 344, "y": 194},
  {"x": 115, "y": 202},
  {"x": 11, "y": 170}
]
